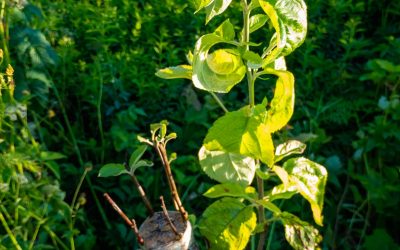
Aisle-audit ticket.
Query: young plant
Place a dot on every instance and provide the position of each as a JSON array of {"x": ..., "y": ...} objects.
[
  {"x": 165, "y": 229},
  {"x": 239, "y": 146}
]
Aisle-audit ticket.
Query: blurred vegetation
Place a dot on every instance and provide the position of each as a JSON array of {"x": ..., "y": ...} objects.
[{"x": 85, "y": 88}]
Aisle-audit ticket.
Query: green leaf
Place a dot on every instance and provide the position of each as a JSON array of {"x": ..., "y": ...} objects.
[
  {"x": 222, "y": 69},
  {"x": 51, "y": 156},
  {"x": 300, "y": 234},
  {"x": 112, "y": 169},
  {"x": 141, "y": 163},
  {"x": 257, "y": 21},
  {"x": 233, "y": 190},
  {"x": 181, "y": 71},
  {"x": 232, "y": 230},
  {"x": 242, "y": 132},
  {"x": 136, "y": 155},
  {"x": 282, "y": 191},
  {"x": 226, "y": 30},
  {"x": 289, "y": 19},
  {"x": 310, "y": 180},
  {"x": 216, "y": 7},
  {"x": 282, "y": 105},
  {"x": 289, "y": 148},
  {"x": 227, "y": 167},
  {"x": 254, "y": 60},
  {"x": 269, "y": 205},
  {"x": 200, "y": 4}
]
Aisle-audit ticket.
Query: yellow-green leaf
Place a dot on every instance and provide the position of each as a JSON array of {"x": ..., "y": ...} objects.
[
  {"x": 233, "y": 229},
  {"x": 227, "y": 167},
  {"x": 310, "y": 181},
  {"x": 181, "y": 71},
  {"x": 282, "y": 105},
  {"x": 242, "y": 132},
  {"x": 232, "y": 190}
]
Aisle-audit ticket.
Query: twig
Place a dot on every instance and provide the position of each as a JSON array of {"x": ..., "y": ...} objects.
[
  {"x": 261, "y": 214},
  {"x": 131, "y": 223},
  {"x": 160, "y": 148},
  {"x": 339, "y": 207},
  {"x": 142, "y": 194},
  {"x": 165, "y": 212}
]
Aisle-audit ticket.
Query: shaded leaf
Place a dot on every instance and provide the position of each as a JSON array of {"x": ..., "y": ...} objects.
[
  {"x": 51, "y": 156},
  {"x": 136, "y": 155},
  {"x": 141, "y": 163},
  {"x": 300, "y": 234},
  {"x": 254, "y": 60},
  {"x": 242, "y": 132},
  {"x": 233, "y": 190},
  {"x": 269, "y": 205},
  {"x": 181, "y": 71},
  {"x": 310, "y": 180},
  {"x": 233, "y": 229},
  {"x": 227, "y": 167},
  {"x": 112, "y": 169}
]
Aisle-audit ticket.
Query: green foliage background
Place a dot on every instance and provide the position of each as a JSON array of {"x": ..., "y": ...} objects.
[{"x": 85, "y": 70}]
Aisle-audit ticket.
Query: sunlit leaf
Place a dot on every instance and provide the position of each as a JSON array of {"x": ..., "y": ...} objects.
[
  {"x": 112, "y": 169},
  {"x": 310, "y": 180},
  {"x": 289, "y": 19},
  {"x": 216, "y": 7},
  {"x": 242, "y": 132},
  {"x": 225, "y": 30},
  {"x": 231, "y": 189},
  {"x": 282, "y": 191},
  {"x": 300, "y": 234},
  {"x": 257, "y": 21},
  {"x": 232, "y": 230},
  {"x": 181, "y": 71},
  {"x": 227, "y": 167},
  {"x": 220, "y": 70},
  {"x": 282, "y": 105},
  {"x": 289, "y": 148}
]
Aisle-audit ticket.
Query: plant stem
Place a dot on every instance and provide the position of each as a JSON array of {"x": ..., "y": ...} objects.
[
  {"x": 261, "y": 215},
  {"x": 219, "y": 102},
  {"x": 165, "y": 212},
  {"x": 131, "y": 223},
  {"x": 9, "y": 232},
  {"x": 250, "y": 82},
  {"x": 162, "y": 153},
  {"x": 142, "y": 194},
  {"x": 99, "y": 117}
]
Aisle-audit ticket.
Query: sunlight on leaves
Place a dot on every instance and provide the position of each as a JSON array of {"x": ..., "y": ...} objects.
[
  {"x": 233, "y": 190},
  {"x": 242, "y": 132},
  {"x": 233, "y": 229},
  {"x": 300, "y": 234},
  {"x": 227, "y": 167},
  {"x": 181, "y": 71},
  {"x": 310, "y": 180}
]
